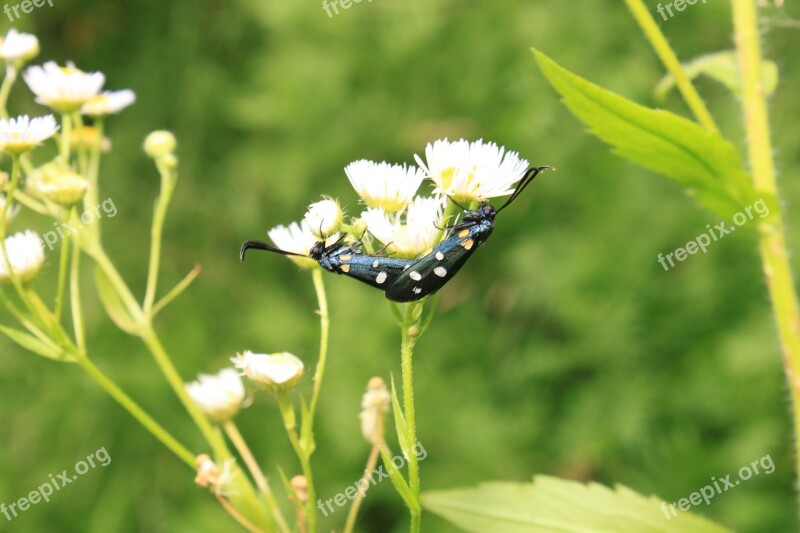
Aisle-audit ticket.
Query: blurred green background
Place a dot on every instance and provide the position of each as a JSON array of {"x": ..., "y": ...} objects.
[{"x": 563, "y": 348}]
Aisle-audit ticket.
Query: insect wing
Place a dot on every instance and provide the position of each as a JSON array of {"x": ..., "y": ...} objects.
[
  {"x": 376, "y": 271},
  {"x": 431, "y": 272}
]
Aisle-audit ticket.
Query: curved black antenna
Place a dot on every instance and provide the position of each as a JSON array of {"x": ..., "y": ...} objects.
[
  {"x": 458, "y": 204},
  {"x": 530, "y": 174},
  {"x": 258, "y": 245}
]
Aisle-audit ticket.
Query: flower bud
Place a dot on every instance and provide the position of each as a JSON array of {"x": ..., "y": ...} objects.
[
  {"x": 63, "y": 187},
  {"x": 375, "y": 405},
  {"x": 324, "y": 218},
  {"x": 300, "y": 486},
  {"x": 276, "y": 372},
  {"x": 219, "y": 396},
  {"x": 26, "y": 255},
  {"x": 160, "y": 143}
]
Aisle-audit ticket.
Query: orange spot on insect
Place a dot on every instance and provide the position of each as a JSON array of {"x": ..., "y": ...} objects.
[
  {"x": 463, "y": 233},
  {"x": 468, "y": 244},
  {"x": 345, "y": 268},
  {"x": 345, "y": 257}
]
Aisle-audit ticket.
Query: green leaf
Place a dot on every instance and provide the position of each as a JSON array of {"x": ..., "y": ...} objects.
[
  {"x": 707, "y": 165},
  {"x": 32, "y": 344},
  {"x": 397, "y": 479},
  {"x": 552, "y": 504},
  {"x": 723, "y": 67},
  {"x": 113, "y": 304}
]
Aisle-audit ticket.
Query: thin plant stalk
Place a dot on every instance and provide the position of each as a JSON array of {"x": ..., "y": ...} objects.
[
  {"x": 409, "y": 334},
  {"x": 372, "y": 460},
  {"x": 664, "y": 51},
  {"x": 255, "y": 470},
  {"x": 772, "y": 242}
]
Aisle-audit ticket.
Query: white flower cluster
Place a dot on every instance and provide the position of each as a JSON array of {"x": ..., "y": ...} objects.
[
  {"x": 64, "y": 90},
  {"x": 406, "y": 223}
]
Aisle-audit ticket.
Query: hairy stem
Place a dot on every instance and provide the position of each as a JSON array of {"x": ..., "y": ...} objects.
[
  {"x": 409, "y": 334},
  {"x": 772, "y": 243}
]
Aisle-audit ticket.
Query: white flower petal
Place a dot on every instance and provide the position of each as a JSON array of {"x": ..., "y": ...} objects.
[
  {"x": 389, "y": 187},
  {"x": 219, "y": 396},
  {"x": 20, "y": 134},
  {"x": 412, "y": 237},
  {"x": 109, "y": 103},
  {"x": 26, "y": 255},
  {"x": 64, "y": 89},
  {"x": 273, "y": 372},
  {"x": 16, "y": 46},
  {"x": 472, "y": 171}
]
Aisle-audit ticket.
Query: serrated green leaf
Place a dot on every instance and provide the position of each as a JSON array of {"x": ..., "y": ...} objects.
[
  {"x": 707, "y": 165},
  {"x": 723, "y": 67},
  {"x": 113, "y": 304},
  {"x": 32, "y": 344},
  {"x": 552, "y": 504}
]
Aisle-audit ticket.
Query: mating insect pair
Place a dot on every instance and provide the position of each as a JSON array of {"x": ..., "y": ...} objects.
[{"x": 408, "y": 280}]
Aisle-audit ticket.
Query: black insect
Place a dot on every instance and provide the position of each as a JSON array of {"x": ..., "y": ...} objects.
[
  {"x": 376, "y": 270},
  {"x": 432, "y": 271}
]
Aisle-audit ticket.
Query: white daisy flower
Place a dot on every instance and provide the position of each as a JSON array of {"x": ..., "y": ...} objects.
[
  {"x": 375, "y": 405},
  {"x": 18, "y": 47},
  {"x": 64, "y": 89},
  {"x": 413, "y": 237},
  {"x": 273, "y": 372},
  {"x": 26, "y": 255},
  {"x": 219, "y": 396},
  {"x": 21, "y": 134},
  {"x": 474, "y": 171},
  {"x": 389, "y": 187},
  {"x": 109, "y": 103},
  {"x": 298, "y": 239},
  {"x": 324, "y": 217}
]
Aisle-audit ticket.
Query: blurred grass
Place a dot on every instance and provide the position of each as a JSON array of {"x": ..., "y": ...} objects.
[{"x": 563, "y": 348}]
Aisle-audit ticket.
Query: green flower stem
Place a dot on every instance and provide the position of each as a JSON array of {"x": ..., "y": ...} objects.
[
  {"x": 66, "y": 129},
  {"x": 3, "y": 232},
  {"x": 137, "y": 412},
  {"x": 261, "y": 481},
  {"x": 62, "y": 277},
  {"x": 176, "y": 291},
  {"x": 30, "y": 203},
  {"x": 324, "y": 327},
  {"x": 290, "y": 424},
  {"x": 409, "y": 334},
  {"x": 664, "y": 51},
  {"x": 75, "y": 300},
  {"x": 214, "y": 440},
  {"x": 772, "y": 243},
  {"x": 5, "y": 90},
  {"x": 156, "y": 231}
]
